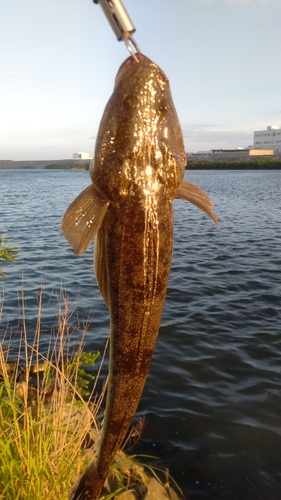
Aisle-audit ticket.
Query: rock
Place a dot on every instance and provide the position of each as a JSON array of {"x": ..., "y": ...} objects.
[
  {"x": 156, "y": 491},
  {"x": 130, "y": 467},
  {"x": 128, "y": 473},
  {"x": 126, "y": 495},
  {"x": 172, "y": 494}
]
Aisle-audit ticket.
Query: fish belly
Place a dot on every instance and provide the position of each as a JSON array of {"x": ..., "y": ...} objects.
[
  {"x": 132, "y": 260},
  {"x": 137, "y": 244}
]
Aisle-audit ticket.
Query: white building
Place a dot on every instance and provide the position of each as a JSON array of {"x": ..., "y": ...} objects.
[
  {"x": 81, "y": 156},
  {"x": 268, "y": 139}
]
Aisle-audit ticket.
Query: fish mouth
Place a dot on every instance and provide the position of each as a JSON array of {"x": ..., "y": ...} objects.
[{"x": 127, "y": 64}]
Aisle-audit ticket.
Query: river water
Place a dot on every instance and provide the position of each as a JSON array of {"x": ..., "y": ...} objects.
[{"x": 213, "y": 395}]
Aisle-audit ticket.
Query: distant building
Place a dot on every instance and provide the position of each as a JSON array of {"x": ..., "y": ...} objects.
[
  {"x": 250, "y": 151},
  {"x": 268, "y": 139},
  {"x": 231, "y": 150},
  {"x": 204, "y": 152},
  {"x": 261, "y": 152},
  {"x": 81, "y": 156}
]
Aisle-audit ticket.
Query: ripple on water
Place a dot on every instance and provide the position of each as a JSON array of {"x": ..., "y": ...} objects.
[{"x": 213, "y": 393}]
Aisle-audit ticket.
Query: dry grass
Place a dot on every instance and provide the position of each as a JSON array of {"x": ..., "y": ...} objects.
[
  {"x": 47, "y": 426},
  {"x": 44, "y": 418}
]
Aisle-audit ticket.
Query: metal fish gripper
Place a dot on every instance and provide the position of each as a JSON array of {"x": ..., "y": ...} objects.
[{"x": 120, "y": 23}]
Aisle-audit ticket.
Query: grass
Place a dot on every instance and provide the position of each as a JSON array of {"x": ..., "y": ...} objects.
[
  {"x": 7, "y": 253},
  {"x": 44, "y": 417},
  {"x": 49, "y": 417},
  {"x": 247, "y": 164}
]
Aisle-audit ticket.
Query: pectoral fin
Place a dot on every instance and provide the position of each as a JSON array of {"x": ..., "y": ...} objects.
[
  {"x": 195, "y": 195},
  {"x": 83, "y": 219}
]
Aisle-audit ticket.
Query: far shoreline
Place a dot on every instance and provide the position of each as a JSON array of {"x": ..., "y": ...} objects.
[{"x": 215, "y": 161}]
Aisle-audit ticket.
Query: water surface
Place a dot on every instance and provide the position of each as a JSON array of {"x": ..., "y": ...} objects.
[{"x": 212, "y": 398}]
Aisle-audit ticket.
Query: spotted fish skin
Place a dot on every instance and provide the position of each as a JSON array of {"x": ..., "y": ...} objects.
[{"x": 136, "y": 174}]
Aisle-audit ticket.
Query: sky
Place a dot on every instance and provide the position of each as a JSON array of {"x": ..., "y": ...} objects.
[{"x": 59, "y": 59}]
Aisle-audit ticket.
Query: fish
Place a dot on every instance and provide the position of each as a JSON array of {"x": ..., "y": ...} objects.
[{"x": 137, "y": 171}]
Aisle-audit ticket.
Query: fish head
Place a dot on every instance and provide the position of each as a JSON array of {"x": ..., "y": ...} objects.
[
  {"x": 139, "y": 147},
  {"x": 146, "y": 99}
]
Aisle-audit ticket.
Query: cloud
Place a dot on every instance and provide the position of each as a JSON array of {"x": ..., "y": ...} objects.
[
  {"x": 199, "y": 137},
  {"x": 274, "y": 113},
  {"x": 20, "y": 74}
]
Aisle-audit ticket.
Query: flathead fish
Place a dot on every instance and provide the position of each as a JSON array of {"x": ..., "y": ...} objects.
[{"x": 136, "y": 173}]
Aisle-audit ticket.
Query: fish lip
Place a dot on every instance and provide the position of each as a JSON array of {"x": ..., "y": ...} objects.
[
  {"x": 131, "y": 62},
  {"x": 128, "y": 63}
]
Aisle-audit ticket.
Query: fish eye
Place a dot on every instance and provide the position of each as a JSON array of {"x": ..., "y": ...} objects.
[{"x": 130, "y": 101}]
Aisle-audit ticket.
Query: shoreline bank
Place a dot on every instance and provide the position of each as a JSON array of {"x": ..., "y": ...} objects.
[{"x": 219, "y": 161}]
